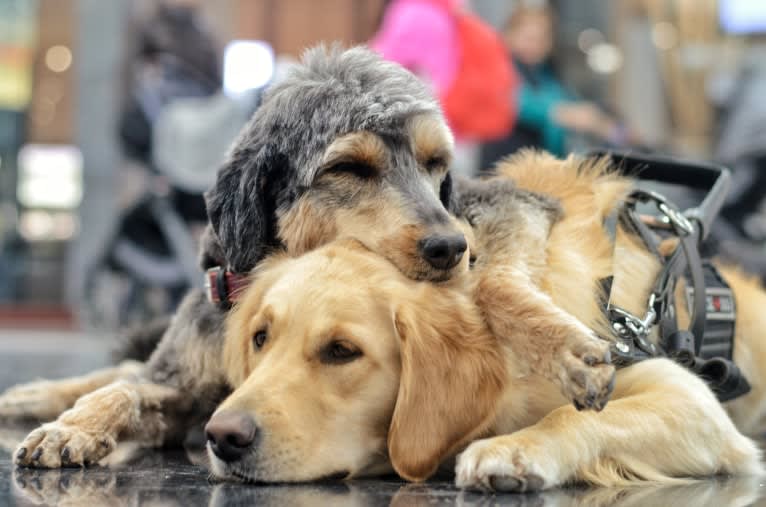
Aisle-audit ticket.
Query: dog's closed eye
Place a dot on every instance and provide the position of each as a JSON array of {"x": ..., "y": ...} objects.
[
  {"x": 358, "y": 169},
  {"x": 339, "y": 352},
  {"x": 435, "y": 163}
]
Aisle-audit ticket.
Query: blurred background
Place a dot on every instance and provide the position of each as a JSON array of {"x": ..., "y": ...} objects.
[{"x": 115, "y": 113}]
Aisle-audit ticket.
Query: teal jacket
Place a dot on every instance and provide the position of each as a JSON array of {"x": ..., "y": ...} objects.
[{"x": 540, "y": 92}]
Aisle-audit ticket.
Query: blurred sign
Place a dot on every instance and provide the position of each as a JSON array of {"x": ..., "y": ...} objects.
[{"x": 17, "y": 36}]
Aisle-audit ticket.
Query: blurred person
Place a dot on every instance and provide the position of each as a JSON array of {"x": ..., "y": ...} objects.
[
  {"x": 464, "y": 62},
  {"x": 741, "y": 145},
  {"x": 175, "y": 57},
  {"x": 548, "y": 112},
  {"x": 740, "y": 234}
]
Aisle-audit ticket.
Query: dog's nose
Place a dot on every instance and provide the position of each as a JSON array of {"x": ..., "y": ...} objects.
[
  {"x": 230, "y": 434},
  {"x": 443, "y": 252}
]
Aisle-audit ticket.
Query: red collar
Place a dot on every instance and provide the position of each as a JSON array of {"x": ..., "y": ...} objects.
[{"x": 223, "y": 287}]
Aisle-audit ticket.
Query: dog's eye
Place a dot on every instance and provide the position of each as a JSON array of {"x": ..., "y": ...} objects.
[
  {"x": 338, "y": 352},
  {"x": 358, "y": 169},
  {"x": 435, "y": 163},
  {"x": 259, "y": 338}
]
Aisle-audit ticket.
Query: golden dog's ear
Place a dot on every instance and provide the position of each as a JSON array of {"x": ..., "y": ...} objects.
[{"x": 453, "y": 373}]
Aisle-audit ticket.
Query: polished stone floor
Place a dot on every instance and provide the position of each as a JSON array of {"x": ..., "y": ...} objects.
[{"x": 141, "y": 478}]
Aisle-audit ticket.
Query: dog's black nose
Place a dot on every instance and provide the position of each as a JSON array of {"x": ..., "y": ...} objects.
[
  {"x": 230, "y": 434},
  {"x": 443, "y": 252}
]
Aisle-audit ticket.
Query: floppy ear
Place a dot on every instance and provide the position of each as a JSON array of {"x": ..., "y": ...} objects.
[
  {"x": 453, "y": 372},
  {"x": 242, "y": 205},
  {"x": 210, "y": 253}
]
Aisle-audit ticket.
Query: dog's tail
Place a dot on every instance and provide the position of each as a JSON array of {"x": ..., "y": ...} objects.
[{"x": 138, "y": 343}]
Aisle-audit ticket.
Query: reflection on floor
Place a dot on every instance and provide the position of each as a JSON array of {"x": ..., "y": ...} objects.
[
  {"x": 141, "y": 478},
  {"x": 147, "y": 478}
]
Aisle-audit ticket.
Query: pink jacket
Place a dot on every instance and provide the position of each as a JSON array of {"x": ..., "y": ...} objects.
[{"x": 421, "y": 36}]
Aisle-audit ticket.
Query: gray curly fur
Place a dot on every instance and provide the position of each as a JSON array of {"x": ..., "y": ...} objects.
[{"x": 332, "y": 93}]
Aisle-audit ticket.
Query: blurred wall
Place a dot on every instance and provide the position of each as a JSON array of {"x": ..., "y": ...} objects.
[
  {"x": 51, "y": 112},
  {"x": 291, "y": 25},
  {"x": 288, "y": 25}
]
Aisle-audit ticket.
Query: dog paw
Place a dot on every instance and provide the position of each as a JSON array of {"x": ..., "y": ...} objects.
[
  {"x": 585, "y": 373},
  {"x": 500, "y": 464},
  {"x": 36, "y": 400},
  {"x": 57, "y": 444}
]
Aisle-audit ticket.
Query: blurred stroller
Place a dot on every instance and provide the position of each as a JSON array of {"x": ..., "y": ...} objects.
[{"x": 177, "y": 125}]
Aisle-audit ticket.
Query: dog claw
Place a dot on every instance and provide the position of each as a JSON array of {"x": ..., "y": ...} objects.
[
  {"x": 516, "y": 485},
  {"x": 504, "y": 483},
  {"x": 21, "y": 454},
  {"x": 37, "y": 454}
]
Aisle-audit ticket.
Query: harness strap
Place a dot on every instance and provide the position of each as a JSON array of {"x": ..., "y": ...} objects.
[
  {"x": 631, "y": 346},
  {"x": 721, "y": 314},
  {"x": 685, "y": 259},
  {"x": 632, "y": 223},
  {"x": 708, "y": 354}
]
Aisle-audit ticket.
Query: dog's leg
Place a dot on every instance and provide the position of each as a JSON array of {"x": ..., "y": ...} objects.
[
  {"x": 89, "y": 431},
  {"x": 663, "y": 424},
  {"x": 549, "y": 340},
  {"x": 44, "y": 400}
]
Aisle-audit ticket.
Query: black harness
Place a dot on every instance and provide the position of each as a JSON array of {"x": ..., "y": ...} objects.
[{"x": 707, "y": 346}]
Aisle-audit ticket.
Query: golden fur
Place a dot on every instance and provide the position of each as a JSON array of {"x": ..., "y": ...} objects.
[
  {"x": 356, "y": 147},
  {"x": 434, "y": 377}
]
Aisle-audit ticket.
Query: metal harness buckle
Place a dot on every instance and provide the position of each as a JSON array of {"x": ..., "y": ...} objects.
[
  {"x": 671, "y": 215},
  {"x": 630, "y": 327}
]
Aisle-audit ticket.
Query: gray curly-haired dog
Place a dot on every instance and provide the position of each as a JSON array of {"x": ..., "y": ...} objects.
[{"x": 347, "y": 146}]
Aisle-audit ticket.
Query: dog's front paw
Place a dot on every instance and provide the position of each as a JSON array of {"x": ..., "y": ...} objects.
[
  {"x": 58, "y": 444},
  {"x": 505, "y": 464},
  {"x": 35, "y": 400},
  {"x": 585, "y": 372}
]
